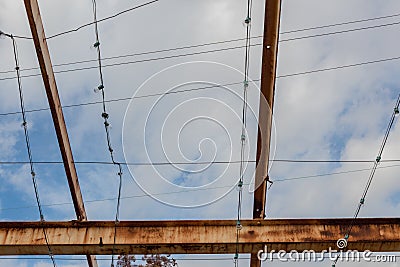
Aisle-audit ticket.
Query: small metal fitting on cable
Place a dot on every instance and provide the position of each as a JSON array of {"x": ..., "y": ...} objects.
[{"x": 104, "y": 115}]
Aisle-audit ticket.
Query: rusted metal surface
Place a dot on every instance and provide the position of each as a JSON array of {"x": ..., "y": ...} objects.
[
  {"x": 46, "y": 68},
  {"x": 267, "y": 91},
  {"x": 196, "y": 237},
  {"x": 268, "y": 71}
]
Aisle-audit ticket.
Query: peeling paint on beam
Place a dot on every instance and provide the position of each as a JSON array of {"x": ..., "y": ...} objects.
[{"x": 195, "y": 237}]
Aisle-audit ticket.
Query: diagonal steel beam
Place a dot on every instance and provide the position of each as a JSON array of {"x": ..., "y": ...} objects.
[
  {"x": 268, "y": 73},
  {"x": 46, "y": 68}
]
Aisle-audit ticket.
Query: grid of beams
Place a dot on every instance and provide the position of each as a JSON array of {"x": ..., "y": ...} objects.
[{"x": 84, "y": 237}]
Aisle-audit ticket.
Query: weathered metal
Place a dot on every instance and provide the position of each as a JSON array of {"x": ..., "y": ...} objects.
[
  {"x": 269, "y": 59},
  {"x": 46, "y": 68},
  {"x": 196, "y": 237}
]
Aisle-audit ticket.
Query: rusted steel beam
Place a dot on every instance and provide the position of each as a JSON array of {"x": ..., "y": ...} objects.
[
  {"x": 46, "y": 68},
  {"x": 269, "y": 59},
  {"x": 268, "y": 71},
  {"x": 196, "y": 237}
]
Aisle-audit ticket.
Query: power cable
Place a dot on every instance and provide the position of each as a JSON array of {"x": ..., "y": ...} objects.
[
  {"x": 193, "y": 46},
  {"x": 248, "y": 45},
  {"x": 28, "y": 147},
  {"x": 194, "y": 163},
  {"x": 278, "y": 76},
  {"x": 141, "y": 53},
  {"x": 135, "y": 61},
  {"x": 91, "y": 23},
  {"x": 337, "y": 67},
  {"x": 105, "y": 116},
  {"x": 129, "y": 98},
  {"x": 204, "y": 189},
  {"x": 341, "y": 23},
  {"x": 340, "y": 32},
  {"x": 342, "y": 243}
]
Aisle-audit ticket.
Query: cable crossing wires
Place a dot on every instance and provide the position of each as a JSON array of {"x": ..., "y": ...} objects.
[{"x": 28, "y": 146}]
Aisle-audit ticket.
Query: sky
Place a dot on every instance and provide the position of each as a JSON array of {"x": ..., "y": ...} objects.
[{"x": 339, "y": 114}]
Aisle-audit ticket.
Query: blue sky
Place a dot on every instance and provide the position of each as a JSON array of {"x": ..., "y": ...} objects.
[{"x": 333, "y": 115}]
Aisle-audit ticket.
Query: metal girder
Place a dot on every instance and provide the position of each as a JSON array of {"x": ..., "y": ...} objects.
[
  {"x": 269, "y": 59},
  {"x": 46, "y": 68},
  {"x": 196, "y": 237},
  {"x": 267, "y": 91}
]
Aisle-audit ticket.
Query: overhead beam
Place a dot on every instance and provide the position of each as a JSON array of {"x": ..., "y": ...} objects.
[
  {"x": 267, "y": 90},
  {"x": 46, "y": 68},
  {"x": 268, "y": 71},
  {"x": 196, "y": 237}
]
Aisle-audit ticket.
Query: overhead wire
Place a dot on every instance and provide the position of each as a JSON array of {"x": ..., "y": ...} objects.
[
  {"x": 341, "y": 23},
  {"x": 342, "y": 243},
  {"x": 195, "y": 163},
  {"x": 135, "y": 61},
  {"x": 28, "y": 147},
  {"x": 105, "y": 116},
  {"x": 91, "y": 23},
  {"x": 247, "y": 23},
  {"x": 283, "y": 32},
  {"x": 340, "y": 32},
  {"x": 201, "y": 45},
  {"x": 134, "y": 97},
  {"x": 306, "y": 177}
]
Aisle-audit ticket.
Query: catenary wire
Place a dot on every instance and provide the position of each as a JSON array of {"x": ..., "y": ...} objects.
[
  {"x": 341, "y": 23},
  {"x": 369, "y": 181},
  {"x": 135, "y": 61},
  {"x": 129, "y": 98},
  {"x": 28, "y": 147},
  {"x": 247, "y": 22},
  {"x": 278, "y": 76},
  {"x": 205, "y": 189},
  {"x": 284, "y": 32},
  {"x": 140, "y": 53},
  {"x": 204, "y": 44},
  {"x": 105, "y": 116},
  {"x": 340, "y": 32},
  {"x": 194, "y": 163},
  {"x": 91, "y": 23}
]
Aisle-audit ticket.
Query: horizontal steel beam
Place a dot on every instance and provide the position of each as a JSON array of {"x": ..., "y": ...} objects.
[{"x": 195, "y": 237}]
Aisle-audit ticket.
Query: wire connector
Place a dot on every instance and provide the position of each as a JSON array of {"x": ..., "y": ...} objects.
[
  {"x": 104, "y": 115},
  {"x": 396, "y": 111},
  {"x": 362, "y": 201},
  {"x": 239, "y": 226},
  {"x": 96, "y": 44},
  {"x": 378, "y": 159}
]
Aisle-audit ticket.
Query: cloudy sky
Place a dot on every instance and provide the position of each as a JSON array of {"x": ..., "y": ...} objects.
[{"x": 339, "y": 114}]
